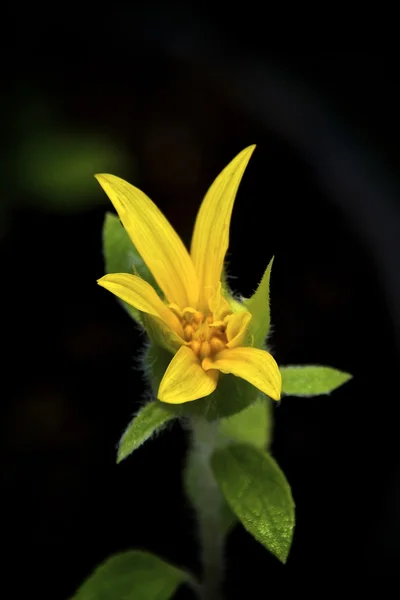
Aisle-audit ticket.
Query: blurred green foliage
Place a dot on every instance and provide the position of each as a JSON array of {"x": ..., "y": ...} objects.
[
  {"x": 53, "y": 159},
  {"x": 57, "y": 168}
]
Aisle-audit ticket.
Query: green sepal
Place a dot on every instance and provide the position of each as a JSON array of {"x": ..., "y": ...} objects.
[
  {"x": 259, "y": 307},
  {"x": 231, "y": 396}
]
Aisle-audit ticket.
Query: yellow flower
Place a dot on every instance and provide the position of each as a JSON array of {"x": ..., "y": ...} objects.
[{"x": 206, "y": 333}]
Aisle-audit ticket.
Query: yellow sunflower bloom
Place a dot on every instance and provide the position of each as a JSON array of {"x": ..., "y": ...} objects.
[{"x": 207, "y": 334}]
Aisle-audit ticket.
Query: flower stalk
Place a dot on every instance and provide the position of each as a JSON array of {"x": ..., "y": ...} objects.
[{"x": 208, "y": 508}]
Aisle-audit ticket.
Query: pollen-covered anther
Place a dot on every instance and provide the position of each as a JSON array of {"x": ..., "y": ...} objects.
[
  {"x": 216, "y": 344},
  {"x": 205, "y": 350},
  {"x": 188, "y": 331},
  {"x": 195, "y": 345},
  {"x": 206, "y": 342},
  {"x": 198, "y": 317}
]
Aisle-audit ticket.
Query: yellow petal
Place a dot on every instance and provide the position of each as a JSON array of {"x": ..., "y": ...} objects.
[
  {"x": 185, "y": 380},
  {"x": 211, "y": 232},
  {"x": 155, "y": 239},
  {"x": 236, "y": 328},
  {"x": 141, "y": 295},
  {"x": 256, "y": 366},
  {"x": 218, "y": 305}
]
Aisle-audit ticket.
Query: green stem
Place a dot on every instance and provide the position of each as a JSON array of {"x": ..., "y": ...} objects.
[{"x": 207, "y": 500}]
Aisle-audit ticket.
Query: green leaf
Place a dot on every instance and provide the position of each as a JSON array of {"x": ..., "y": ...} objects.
[
  {"x": 132, "y": 575},
  {"x": 258, "y": 306},
  {"x": 259, "y": 495},
  {"x": 231, "y": 396},
  {"x": 149, "y": 419},
  {"x": 253, "y": 425},
  {"x": 121, "y": 256},
  {"x": 311, "y": 380}
]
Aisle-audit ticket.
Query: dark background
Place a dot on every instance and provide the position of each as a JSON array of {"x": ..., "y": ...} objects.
[{"x": 165, "y": 98}]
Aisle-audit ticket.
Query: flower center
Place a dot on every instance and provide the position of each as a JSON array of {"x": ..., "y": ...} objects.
[{"x": 203, "y": 335}]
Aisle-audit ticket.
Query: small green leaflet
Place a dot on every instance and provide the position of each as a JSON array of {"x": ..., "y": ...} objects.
[
  {"x": 132, "y": 575},
  {"x": 259, "y": 495},
  {"x": 311, "y": 380},
  {"x": 149, "y": 419}
]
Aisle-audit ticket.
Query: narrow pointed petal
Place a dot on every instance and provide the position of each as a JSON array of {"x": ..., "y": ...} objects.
[
  {"x": 256, "y": 366},
  {"x": 141, "y": 295},
  {"x": 185, "y": 380},
  {"x": 236, "y": 329},
  {"x": 218, "y": 305},
  {"x": 155, "y": 239},
  {"x": 211, "y": 232}
]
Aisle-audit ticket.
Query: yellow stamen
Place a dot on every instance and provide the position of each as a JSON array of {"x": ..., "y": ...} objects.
[
  {"x": 205, "y": 350},
  {"x": 216, "y": 344},
  {"x": 176, "y": 310},
  {"x": 188, "y": 331},
  {"x": 188, "y": 313},
  {"x": 198, "y": 317},
  {"x": 206, "y": 338},
  {"x": 195, "y": 345}
]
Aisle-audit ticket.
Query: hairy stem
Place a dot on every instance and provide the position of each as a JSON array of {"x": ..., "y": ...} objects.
[{"x": 207, "y": 500}]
